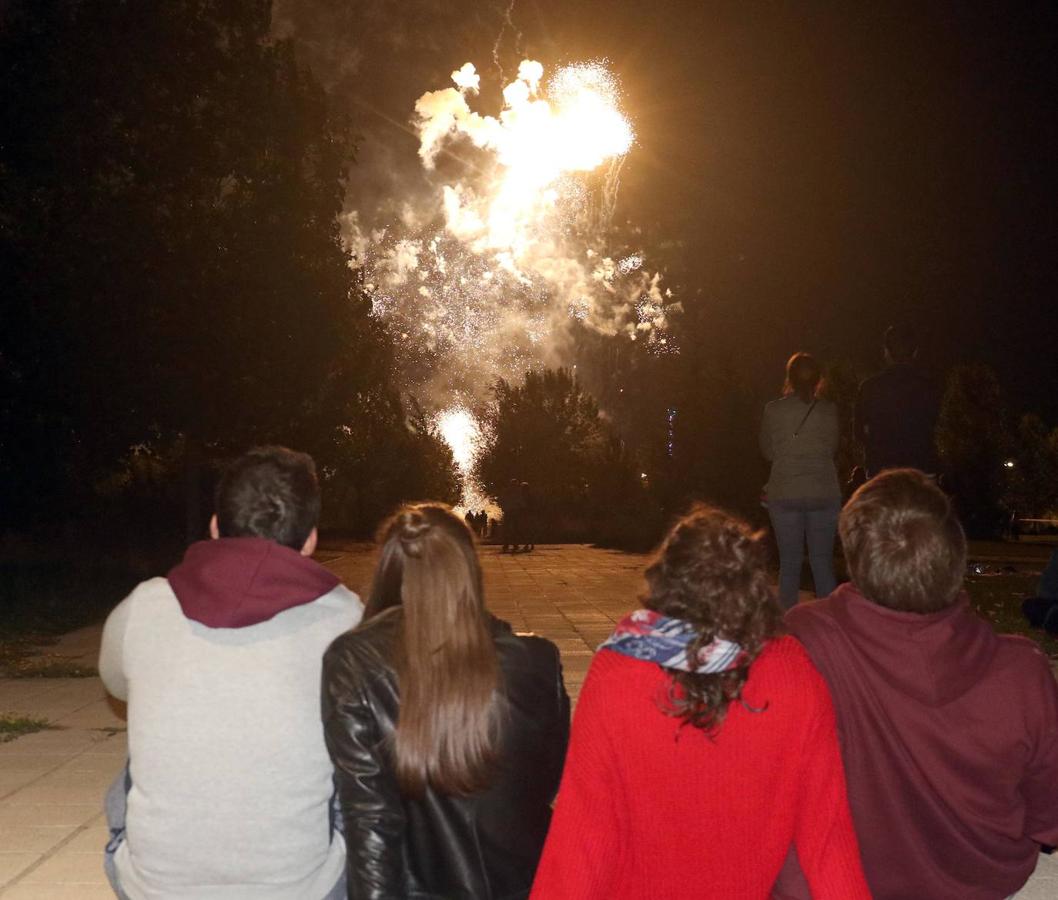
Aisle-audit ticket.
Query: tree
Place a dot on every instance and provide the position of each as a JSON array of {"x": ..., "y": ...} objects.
[
  {"x": 170, "y": 182},
  {"x": 973, "y": 445},
  {"x": 1032, "y": 482},
  {"x": 547, "y": 432}
]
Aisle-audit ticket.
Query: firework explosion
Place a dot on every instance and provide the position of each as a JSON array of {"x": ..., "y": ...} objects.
[{"x": 487, "y": 279}]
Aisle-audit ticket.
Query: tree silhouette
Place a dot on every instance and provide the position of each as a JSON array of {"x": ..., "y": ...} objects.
[
  {"x": 170, "y": 181},
  {"x": 973, "y": 445},
  {"x": 547, "y": 432}
]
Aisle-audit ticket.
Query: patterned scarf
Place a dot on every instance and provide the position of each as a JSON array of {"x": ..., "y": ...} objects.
[{"x": 652, "y": 637}]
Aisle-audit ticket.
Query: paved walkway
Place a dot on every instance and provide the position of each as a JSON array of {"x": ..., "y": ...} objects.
[{"x": 51, "y": 783}]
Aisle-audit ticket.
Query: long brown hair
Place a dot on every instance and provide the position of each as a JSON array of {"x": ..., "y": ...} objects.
[
  {"x": 711, "y": 571},
  {"x": 448, "y": 673}
]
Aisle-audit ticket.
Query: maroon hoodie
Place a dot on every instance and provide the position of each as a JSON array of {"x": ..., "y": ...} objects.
[
  {"x": 949, "y": 736},
  {"x": 235, "y": 582}
]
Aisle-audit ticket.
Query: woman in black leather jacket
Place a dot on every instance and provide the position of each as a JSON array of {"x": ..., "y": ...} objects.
[{"x": 448, "y": 731}]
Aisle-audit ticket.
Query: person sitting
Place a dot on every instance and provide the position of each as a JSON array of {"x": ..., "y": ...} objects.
[
  {"x": 447, "y": 730},
  {"x": 703, "y": 744},
  {"x": 1042, "y": 610},
  {"x": 949, "y": 732},
  {"x": 228, "y": 791}
]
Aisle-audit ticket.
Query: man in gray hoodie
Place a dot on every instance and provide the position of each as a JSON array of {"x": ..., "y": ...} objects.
[{"x": 228, "y": 790}]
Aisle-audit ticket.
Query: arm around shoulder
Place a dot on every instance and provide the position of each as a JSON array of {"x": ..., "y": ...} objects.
[{"x": 824, "y": 835}]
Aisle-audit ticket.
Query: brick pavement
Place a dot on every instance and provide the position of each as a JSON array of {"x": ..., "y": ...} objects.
[{"x": 51, "y": 784}]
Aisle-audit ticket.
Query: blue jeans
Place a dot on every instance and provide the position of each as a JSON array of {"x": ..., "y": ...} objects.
[
  {"x": 116, "y": 806},
  {"x": 794, "y": 521}
]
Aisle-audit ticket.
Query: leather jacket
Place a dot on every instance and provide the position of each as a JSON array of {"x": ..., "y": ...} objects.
[{"x": 484, "y": 846}]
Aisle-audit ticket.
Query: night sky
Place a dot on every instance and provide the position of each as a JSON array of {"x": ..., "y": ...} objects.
[{"x": 823, "y": 168}]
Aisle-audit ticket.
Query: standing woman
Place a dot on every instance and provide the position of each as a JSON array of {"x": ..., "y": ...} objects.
[
  {"x": 799, "y": 436},
  {"x": 704, "y": 744},
  {"x": 446, "y": 729}
]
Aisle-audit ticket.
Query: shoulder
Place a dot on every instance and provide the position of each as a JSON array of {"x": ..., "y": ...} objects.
[
  {"x": 1023, "y": 658},
  {"x": 526, "y": 655},
  {"x": 785, "y": 672},
  {"x": 620, "y": 677},
  {"x": 784, "y": 658},
  {"x": 808, "y": 619},
  {"x": 151, "y": 597},
  {"x": 776, "y": 405},
  {"x": 367, "y": 647},
  {"x": 345, "y": 606}
]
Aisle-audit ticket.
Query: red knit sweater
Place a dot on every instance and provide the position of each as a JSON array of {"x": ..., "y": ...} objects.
[{"x": 649, "y": 810}]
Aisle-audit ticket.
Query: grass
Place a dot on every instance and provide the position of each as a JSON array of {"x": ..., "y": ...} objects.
[
  {"x": 41, "y": 600},
  {"x": 998, "y": 598},
  {"x": 13, "y": 726},
  {"x": 51, "y": 598}
]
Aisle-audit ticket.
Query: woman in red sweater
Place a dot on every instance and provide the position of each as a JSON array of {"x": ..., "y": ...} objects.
[{"x": 704, "y": 744}]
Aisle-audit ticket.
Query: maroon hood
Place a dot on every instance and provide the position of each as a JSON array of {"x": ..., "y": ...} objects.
[
  {"x": 932, "y": 658},
  {"x": 235, "y": 582}
]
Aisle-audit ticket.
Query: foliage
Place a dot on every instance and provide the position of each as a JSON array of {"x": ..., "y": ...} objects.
[
  {"x": 1032, "y": 484},
  {"x": 43, "y": 598},
  {"x": 13, "y": 725},
  {"x": 972, "y": 445},
  {"x": 998, "y": 598},
  {"x": 169, "y": 189},
  {"x": 548, "y": 432},
  {"x": 381, "y": 459}
]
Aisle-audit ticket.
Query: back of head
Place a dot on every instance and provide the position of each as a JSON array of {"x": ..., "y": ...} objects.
[
  {"x": 901, "y": 343},
  {"x": 711, "y": 572},
  {"x": 903, "y": 543},
  {"x": 447, "y": 667},
  {"x": 271, "y": 493},
  {"x": 803, "y": 376}
]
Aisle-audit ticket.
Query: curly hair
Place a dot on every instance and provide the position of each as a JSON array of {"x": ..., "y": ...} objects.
[{"x": 711, "y": 571}]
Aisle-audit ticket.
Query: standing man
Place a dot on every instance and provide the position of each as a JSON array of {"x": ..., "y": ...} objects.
[
  {"x": 896, "y": 410},
  {"x": 228, "y": 792},
  {"x": 948, "y": 731}
]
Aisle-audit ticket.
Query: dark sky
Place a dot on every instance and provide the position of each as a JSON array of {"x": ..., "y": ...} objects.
[{"x": 828, "y": 167}]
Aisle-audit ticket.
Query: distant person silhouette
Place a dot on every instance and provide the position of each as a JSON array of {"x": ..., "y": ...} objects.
[
  {"x": 528, "y": 518},
  {"x": 512, "y": 501},
  {"x": 896, "y": 410},
  {"x": 1042, "y": 610}
]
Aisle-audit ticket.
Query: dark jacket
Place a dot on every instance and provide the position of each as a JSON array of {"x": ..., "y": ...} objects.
[
  {"x": 479, "y": 847},
  {"x": 949, "y": 735},
  {"x": 896, "y": 414}
]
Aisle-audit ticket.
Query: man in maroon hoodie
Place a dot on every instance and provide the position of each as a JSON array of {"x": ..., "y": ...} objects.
[
  {"x": 229, "y": 786},
  {"x": 949, "y": 732}
]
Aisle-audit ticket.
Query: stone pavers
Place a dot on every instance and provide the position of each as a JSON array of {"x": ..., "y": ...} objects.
[
  {"x": 570, "y": 594},
  {"x": 51, "y": 788},
  {"x": 52, "y": 829}
]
